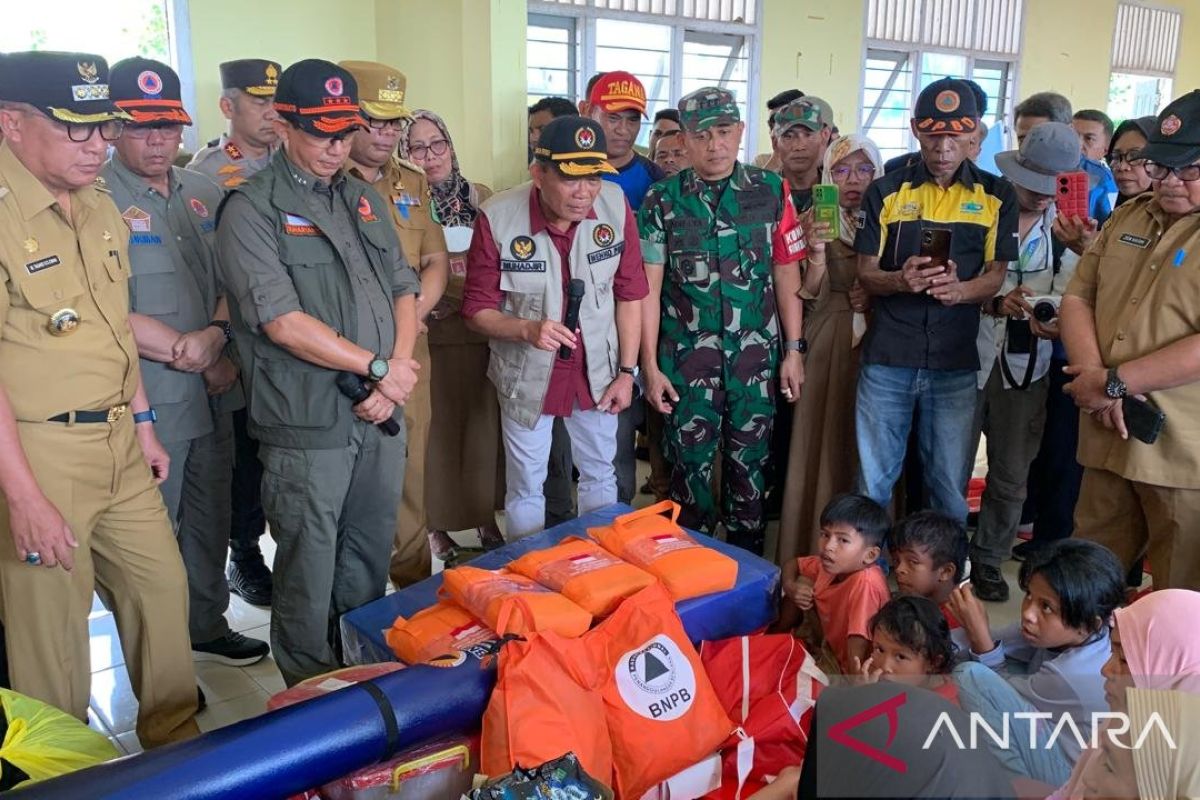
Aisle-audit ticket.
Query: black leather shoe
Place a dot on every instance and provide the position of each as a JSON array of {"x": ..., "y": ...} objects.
[
  {"x": 1023, "y": 550},
  {"x": 250, "y": 579},
  {"x": 989, "y": 583}
]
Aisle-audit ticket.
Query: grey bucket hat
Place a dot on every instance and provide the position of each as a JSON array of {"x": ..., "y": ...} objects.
[{"x": 1049, "y": 149}]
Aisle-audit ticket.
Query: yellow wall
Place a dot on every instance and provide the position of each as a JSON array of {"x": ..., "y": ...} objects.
[
  {"x": 815, "y": 47},
  {"x": 222, "y": 30},
  {"x": 1068, "y": 50},
  {"x": 465, "y": 60},
  {"x": 1187, "y": 75}
]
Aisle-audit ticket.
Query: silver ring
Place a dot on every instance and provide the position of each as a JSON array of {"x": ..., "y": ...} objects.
[{"x": 33, "y": 558}]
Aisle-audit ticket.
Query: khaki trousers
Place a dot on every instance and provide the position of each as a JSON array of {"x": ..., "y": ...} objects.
[
  {"x": 95, "y": 475},
  {"x": 1132, "y": 518},
  {"x": 411, "y": 561}
]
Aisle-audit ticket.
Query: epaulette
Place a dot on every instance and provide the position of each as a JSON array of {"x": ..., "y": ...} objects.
[
  {"x": 403, "y": 162},
  {"x": 101, "y": 185}
]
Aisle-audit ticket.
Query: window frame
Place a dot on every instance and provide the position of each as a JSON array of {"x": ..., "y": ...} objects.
[
  {"x": 571, "y": 26},
  {"x": 585, "y": 17},
  {"x": 916, "y": 54}
]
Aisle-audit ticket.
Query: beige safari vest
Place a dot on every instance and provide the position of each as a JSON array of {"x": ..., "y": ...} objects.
[{"x": 531, "y": 279}]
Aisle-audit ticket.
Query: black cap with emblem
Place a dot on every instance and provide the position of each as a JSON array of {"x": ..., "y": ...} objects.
[
  {"x": 1175, "y": 140},
  {"x": 574, "y": 145},
  {"x": 947, "y": 107},
  {"x": 69, "y": 87},
  {"x": 256, "y": 76},
  {"x": 320, "y": 98},
  {"x": 149, "y": 91}
]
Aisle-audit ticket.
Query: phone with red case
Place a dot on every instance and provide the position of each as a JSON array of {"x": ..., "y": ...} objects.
[{"x": 1072, "y": 196}]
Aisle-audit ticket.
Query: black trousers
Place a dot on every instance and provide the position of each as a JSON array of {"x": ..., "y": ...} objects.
[
  {"x": 1055, "y": 475},
  {"x": 247, "y": 523}
]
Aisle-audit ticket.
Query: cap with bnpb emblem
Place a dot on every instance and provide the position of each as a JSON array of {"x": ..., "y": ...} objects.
[{"x": 656, "y": 680}]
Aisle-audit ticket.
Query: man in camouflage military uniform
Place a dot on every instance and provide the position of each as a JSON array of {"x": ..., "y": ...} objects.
[
  {"x": 722, "y": 242},
  {"x": 247, "y": 101}
]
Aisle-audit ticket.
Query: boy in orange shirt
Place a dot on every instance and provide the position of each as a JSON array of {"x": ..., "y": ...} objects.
[
  {"x": 929, "y": 556},
  {"x": 843, "y": 583}
]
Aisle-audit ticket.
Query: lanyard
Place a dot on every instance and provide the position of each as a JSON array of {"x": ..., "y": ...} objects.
[{"x": 1027, "y": 253}]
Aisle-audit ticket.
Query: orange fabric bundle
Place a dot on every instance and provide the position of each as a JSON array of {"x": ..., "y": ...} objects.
[
  {"x": 661, "y": 547},
  {"x": 546, "y": 702},
  {"x": 662, "y": 712},
  {"x": 584, "y": 572},
  {"x": 511, "y": 603},
  {"x": 439, "y": 630}
]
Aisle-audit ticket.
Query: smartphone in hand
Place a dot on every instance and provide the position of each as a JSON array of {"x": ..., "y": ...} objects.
[
  {"x": 1072, "y": 196},
  {"x": 935, "y": 245},
  {"x": 826, "y": 209}
]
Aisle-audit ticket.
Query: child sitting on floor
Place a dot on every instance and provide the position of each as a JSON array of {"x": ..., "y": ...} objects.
[
  {"x": 910, "y": 643},
  {"x": 1049, "y": 661},
  {"x": 929, "y": 555},
  {"x": 843, "y": 583}
]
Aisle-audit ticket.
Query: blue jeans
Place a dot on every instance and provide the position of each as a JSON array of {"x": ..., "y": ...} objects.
[
  {"x": 887, "y": 397},
  {"x": 984, "y": 692}
]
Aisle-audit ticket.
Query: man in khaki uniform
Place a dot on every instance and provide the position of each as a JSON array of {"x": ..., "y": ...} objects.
[
  {"x": 247, "y": 101},
  {"x": 373, "y": 158},
  {"x": 1131, "y": 328},
  {"x": 81, "y": 463}
]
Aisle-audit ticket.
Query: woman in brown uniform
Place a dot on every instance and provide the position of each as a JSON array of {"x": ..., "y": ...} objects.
[
  {"x": 822, "y": 458},
  {"x": 465, "y": 466}
]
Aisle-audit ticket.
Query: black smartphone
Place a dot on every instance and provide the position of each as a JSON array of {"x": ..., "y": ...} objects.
[
  {"x": 1143, "y": 419},
  {"x": 935, "y": 245}
]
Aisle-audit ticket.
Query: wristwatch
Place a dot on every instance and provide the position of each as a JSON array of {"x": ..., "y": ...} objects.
[
  {"x": 630, "y": 371},
  {"x": 799, "y": 345},
  {"x": 377, "y": 370},
  {"x": 225, "y": 327},
  {"x": 149, "y": 415},
  {"x": 1115, "y": 387}
]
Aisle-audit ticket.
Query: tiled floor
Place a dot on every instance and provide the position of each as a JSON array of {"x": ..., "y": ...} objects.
[{"x": 238, "y": 693}]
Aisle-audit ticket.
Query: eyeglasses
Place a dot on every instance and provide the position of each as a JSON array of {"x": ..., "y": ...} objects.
[
  {"x": 1130, "y": 157},
  {"x": 110, "y": 130},
  {"x": 865, "y": 171},
  {"x": 439, "y": 147},
  {"x": 1159, "y": 172},
  {"x": 388, "y": 124},
  {"x": 145, "y": 131}
]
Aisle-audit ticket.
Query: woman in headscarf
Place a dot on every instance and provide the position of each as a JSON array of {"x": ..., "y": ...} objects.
[
  {"x": 1128, "y": 169},
  {"x": 1155, "y": 759},
  {"x": 1154, "y": 646},
  {"x": 887, "y": 740},
  {"x": 464, "y": 467},
  {"x": 822, "y": 460}
]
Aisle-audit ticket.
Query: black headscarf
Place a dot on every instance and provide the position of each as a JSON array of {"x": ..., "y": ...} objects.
[{"x": 832, "y": 769}]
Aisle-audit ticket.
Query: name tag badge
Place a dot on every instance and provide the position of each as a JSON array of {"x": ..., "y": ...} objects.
[
  {"x": 596, "y": 256},
  {"x": 34, "y": 267},
  {"x": 512, "y": 265},
  {"x": 296, "y": 225},
  {"x": 1136, "y": 241}
]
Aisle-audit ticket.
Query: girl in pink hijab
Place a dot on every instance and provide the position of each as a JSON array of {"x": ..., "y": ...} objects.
[{"x": 1155, "y": 645}]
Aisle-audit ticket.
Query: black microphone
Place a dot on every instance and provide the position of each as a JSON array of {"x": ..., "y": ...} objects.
[
  {"x": 574, "y": 298},
  {"x": 354, "y": 387}
]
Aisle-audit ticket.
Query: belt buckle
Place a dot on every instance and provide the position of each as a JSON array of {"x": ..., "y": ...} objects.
[{"x": 116, "y": 412}]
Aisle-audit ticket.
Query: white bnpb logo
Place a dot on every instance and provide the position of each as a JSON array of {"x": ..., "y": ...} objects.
[{"x": 656, "y": 680}]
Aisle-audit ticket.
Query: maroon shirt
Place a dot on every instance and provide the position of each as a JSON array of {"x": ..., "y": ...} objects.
[{"x": 568, "y": 380}]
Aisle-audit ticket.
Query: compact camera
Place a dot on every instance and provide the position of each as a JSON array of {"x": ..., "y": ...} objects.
[{"x": 1045, "y": 308}]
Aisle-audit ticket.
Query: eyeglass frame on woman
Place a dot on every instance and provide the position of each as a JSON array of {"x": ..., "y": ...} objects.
[
  {"x": 90, "y": 128},
  {"x": 862, "y": 170},
  {"x": 1130, "y": 157},
  {"x": 1153, "y": 168},
  {"x": 420, "y": 151}
]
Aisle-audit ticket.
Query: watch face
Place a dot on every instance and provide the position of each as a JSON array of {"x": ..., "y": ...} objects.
[{"x": 379, "y": 368}]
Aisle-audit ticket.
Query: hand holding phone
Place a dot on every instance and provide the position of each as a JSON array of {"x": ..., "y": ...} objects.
[
  {"x": 827, "y": 210},
  {"x": 1143, "y": 420},
  {"x": 1072, "y": 197},
  {"x": 935, "y": 245}
]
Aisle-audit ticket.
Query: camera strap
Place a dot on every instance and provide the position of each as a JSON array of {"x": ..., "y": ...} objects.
[{"x": 1056, "y": 251}]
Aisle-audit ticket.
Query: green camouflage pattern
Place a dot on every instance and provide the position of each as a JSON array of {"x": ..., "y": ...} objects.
[
  {"x": 707, "y": 107},
  {"x": 738, "y": 421},
  {"x": 718, "y": 338}
]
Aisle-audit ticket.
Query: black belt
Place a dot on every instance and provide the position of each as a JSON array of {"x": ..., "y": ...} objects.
[{"x": 109, "y": 415}]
